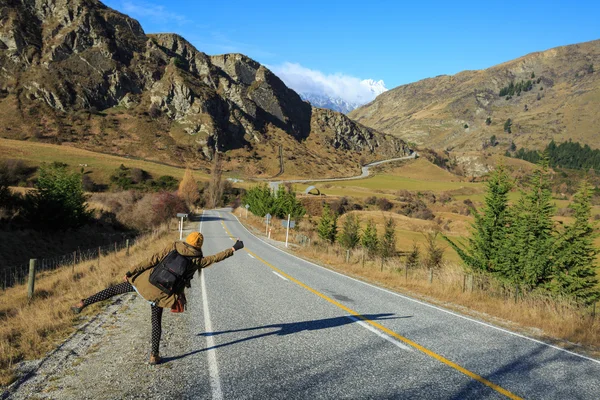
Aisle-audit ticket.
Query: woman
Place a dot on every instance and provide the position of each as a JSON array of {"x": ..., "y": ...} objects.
[{"x": 138, "y": 280}]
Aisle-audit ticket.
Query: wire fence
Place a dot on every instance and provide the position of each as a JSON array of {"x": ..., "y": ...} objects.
[{"x": 18, "y": 274}]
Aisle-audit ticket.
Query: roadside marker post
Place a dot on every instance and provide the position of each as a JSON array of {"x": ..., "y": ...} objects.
[
  {"x": 182, "y": 216},
  {"x": 268, "y": 218},
  {"x": 287, "y": 232},
  {"x": 31, "y": 283},
  {"x": 247, "y": 206}
]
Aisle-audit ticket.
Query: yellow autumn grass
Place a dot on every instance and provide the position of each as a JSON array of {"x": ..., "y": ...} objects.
[
  {"x": 559, "y": 322},
  {"x": 30, "y": 329}
]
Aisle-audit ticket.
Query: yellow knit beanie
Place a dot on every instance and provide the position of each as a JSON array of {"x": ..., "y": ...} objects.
[{"x": 195, "y": 239}]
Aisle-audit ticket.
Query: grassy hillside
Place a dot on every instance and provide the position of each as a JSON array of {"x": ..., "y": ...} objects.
[
  {"x": 101, "y": 166},
  {"x": 450, "y": 112}
]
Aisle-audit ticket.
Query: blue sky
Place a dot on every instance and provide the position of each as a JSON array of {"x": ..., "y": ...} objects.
[{"x": 398, "y": 42}]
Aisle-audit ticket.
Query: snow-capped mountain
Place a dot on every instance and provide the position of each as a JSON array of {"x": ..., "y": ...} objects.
[{"x": 370, "y": 90}]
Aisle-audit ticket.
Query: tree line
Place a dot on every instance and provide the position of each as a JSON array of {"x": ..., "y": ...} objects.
[
  {"x": 571, "y": 155},
  {"x": 520, "y": 244}
]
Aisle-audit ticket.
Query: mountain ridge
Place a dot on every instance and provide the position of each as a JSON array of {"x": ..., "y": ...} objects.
[
  {"x": 80, "y": 73},
  {"x": 450, "y": 112}
]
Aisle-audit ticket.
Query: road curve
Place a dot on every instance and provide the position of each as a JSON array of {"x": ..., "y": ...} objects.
[{"x": 364, "y": 174}]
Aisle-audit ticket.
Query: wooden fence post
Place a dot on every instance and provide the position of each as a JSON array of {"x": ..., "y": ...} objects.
[
  {"x": 516, "y": 293},
  {"x": 99, "y": 253},
  {"x": 464, "y": 282},
  {"x": 127, "y": 251},
  {"x": 363, "y": 259},
  {"x": 430, "y": 275},
  {"x": 406, "y": 272},
  {"x": 74, "y": 262},
  {"x": 115, "y": 247},
  {"x": 31, "y": 283}
]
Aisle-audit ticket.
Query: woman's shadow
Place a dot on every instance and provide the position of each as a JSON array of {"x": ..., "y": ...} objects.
[{"x": 288, "y": 329}]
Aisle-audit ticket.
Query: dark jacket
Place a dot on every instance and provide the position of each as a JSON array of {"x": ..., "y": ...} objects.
[{"x": 141, "y": 273}]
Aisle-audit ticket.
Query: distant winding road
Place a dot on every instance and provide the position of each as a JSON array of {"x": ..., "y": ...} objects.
[{"x": 364, "y": 174}]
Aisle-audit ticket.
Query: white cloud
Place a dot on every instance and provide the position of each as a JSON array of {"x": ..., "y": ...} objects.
[
  {"x": 154, "y": 12},
  {"x": 309, "y": 81}
]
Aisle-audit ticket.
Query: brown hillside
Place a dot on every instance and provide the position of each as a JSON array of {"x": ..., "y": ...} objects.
[
  {"x": 78, "y": 72},
  {"x": 562, "y": 104}
]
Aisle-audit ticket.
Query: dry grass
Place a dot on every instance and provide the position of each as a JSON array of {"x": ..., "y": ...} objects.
[
  {"x": 101, "y": 165},
  {"x": 30, "y": 329},
  {"x": 555, "y": 321}
]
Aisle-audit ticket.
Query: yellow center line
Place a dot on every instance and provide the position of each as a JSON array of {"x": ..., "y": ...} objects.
[{"x": 417, "y": 346}]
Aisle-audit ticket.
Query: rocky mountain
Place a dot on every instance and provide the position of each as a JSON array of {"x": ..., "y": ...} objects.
[
  {"x": 552, "y": 94},
  {"x": 78, "y": 73},
  {"x": 321, "y": 100}
]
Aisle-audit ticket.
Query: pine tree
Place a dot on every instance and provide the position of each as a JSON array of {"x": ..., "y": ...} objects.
[
  {"x": 486, "y": 250},
  {"x": 575, "y": 267},
  {"x": 387, "y": 244},
  {"x": 530, "y": 256},
  {"x": 369, "y": 239},
  {"x": 327, "y": 228},
  {"x": 284, "y": 202},
  {"x": 350, "y": 236},
  {"x": 435, "y": 253},
  {"x": 413, "y": 259}
]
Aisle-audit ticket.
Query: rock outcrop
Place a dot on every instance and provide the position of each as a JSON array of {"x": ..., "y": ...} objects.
[{"x": 61, "y": 58}]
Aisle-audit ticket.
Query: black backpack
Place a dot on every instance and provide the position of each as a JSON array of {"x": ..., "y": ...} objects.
[{"x": 171, "y": 273}]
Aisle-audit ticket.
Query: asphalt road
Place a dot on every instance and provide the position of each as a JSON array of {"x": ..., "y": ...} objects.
[{"x": 268, "y": 325}]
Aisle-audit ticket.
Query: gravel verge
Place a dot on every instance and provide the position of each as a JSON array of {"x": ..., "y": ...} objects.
[{"x": 107, "y": 358}]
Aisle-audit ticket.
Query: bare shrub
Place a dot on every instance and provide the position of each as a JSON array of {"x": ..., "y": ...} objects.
[
  {"x": 214, "y": 191},
  {"x": 417, "y": 209},
  {"x": 166, "y": 206},
  {"x": 371, "y": 200},
  {"x": 188, "y": 188},
  {"x": 340, "y": 206},
  {"x": 444, "y": 197},
  {"x": 384, "y": 204},
  {"x": 138, "y": 175},
  {"x": 404, "y": 195},
  {"x": 15, "y": 172}
]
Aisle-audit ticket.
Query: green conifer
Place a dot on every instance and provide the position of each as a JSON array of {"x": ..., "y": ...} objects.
[
  {"x": 574, "y": 272},
  {"x": 530, "y": 256},
  {"x": 327, "y": 228},
  {"x": 350, "y": 236},
  {"x": 387, "y": 246},
  {"x": 369, "y": 239},
  {"x": 486, "y": 249}
]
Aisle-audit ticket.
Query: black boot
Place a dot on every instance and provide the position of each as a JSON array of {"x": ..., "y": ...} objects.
[{"x": 77, "y": 307}]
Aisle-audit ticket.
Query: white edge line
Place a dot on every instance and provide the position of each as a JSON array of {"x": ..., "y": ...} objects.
[
  {"x": 425, "y": 304},
  {"x": 213, "y": 367},
  {"x": 250, "y": 255},
  {"x": 380, "y": 334},
  {"x": 282, "y": 277}
]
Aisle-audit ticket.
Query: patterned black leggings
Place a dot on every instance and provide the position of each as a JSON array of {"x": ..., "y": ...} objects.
[{"x": 123, "y": 288}]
